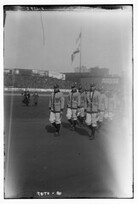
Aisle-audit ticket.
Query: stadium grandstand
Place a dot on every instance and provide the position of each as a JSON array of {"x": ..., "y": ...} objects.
[
  {"x": 27, "y": 78},
  {"x": 40, "y": 79}
]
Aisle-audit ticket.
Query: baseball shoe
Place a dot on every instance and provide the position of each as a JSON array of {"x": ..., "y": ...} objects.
[
  {"x": 91, "y": 137},
  {"x": 57, "y": 134},
  {"x": 73, "y": 128}
]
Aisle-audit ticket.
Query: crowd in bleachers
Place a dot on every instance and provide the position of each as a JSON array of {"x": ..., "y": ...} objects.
[
  {"x": 34, "y": 81},
  {"x": 45, "y": 82}
]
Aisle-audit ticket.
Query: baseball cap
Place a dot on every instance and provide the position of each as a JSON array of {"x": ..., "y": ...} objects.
[
  {"x": 80, "y": 87},
  {"x": 73, "y": 86},
  {"x": 56, "y": 86},
  {"x": 92, "y": 85}
]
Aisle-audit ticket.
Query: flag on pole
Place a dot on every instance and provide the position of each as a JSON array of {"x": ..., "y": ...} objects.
[
  {"x": 78, "y": 42},
  {"x": 74, "y": 53}
]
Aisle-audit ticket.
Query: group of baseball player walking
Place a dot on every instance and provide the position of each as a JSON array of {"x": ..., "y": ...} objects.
[{"x": 84, "y": 108}]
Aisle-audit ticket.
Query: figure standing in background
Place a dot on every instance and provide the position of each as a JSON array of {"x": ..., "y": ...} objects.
[
  {"x": 111, "y": 105},
  {"x": 35, "y": 98},
  {"x": 102, "y": 106}
]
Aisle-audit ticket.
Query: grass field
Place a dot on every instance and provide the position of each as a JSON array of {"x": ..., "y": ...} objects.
[{"x": 39, "y": 165}]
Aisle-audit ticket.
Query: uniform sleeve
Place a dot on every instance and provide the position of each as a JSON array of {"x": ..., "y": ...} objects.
[
  {"x": 106, "y": 102},
  {"x": 50, "y": 101},
  {"x": 85, "y": 101},
  {"x": 88, "y": 98},
  {"x": 98, "y": 100},
  {"x": 68, "y": 99},
  {"x": 114, "y": 102},
  {"x": 62, "y": 101},
  {"x": 79, "y": 100}
]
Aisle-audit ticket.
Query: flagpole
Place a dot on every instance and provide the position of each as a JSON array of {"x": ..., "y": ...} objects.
[{"x": 80, "y": 53}]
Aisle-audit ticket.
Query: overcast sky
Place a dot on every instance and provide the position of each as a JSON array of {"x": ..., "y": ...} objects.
[{"x": 45, "y": 40}]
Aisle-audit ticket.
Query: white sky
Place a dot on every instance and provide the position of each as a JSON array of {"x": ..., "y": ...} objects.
[{"x": 106, "y": 39}]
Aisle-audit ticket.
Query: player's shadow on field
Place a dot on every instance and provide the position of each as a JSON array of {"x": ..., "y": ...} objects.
[
  {"x": 23, "y": 105},
  {"x": 50, "y": 128},
  {"x": 80, "y": 130}
]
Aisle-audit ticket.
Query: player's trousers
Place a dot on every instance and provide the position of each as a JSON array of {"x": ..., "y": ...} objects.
[
  {"x": 91, "y": 119},
  {"x": 101, "y": 116},
  {"x": 109, "y": 115},
  {"x": 71, "y": 114},
  {"x": 55, "y": 118},
  {"x": 81, "y": 112}
]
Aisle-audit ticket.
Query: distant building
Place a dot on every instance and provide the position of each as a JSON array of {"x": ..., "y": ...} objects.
[
  {"x": 39, "y": 72},
  {"x": 82, "y": 69},
  {"x": 22, "y": 71},
  {"x": 99, "y": 76},
  {"x": 96, "y": 71},
  {"x": 7, "y": 71},
  {"x": 86, "y": 73},
  {"x": 56, "y": 75}
]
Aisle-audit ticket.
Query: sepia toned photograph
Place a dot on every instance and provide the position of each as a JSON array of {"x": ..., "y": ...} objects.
[{"x": 68, "y": 101}]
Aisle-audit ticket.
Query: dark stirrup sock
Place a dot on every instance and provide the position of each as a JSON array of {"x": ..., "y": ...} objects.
[
  {"x": 55, "y": 125},
  {"x": 74, "y": 123},
  {"x": 82, "y": 120},
  {"x": 90, "y": 126},
  {"x": 93, "y": 130},
  {"x": 70, "y": 121},
  {"x": 58, "y": 128}
]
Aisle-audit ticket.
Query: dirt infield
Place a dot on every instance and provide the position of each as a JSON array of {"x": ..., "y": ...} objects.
[{"x": 39, "y": 165}]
